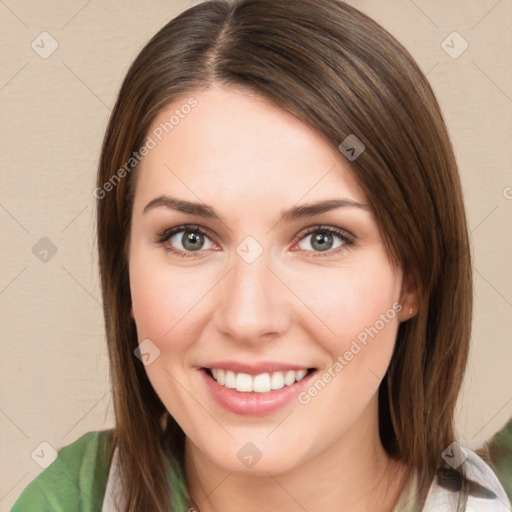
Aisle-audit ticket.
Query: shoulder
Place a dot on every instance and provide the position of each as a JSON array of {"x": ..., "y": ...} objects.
[
  {"x": 500, "y": 454},
  {"x": 74, "y": 481},
  {"x": 480, "y": 488}
]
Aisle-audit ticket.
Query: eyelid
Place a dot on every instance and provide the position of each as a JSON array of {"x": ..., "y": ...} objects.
[
  {"x": 162, "y": 237},
  {"x": 347, "y": 238},
  {"x": 341, "y": 232},
  {"x": 167, "y": 233}
]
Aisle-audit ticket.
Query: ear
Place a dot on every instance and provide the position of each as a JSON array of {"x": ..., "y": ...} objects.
[
  {"x": 408, "y": 299},
  {"x": 131, "y": 313}
]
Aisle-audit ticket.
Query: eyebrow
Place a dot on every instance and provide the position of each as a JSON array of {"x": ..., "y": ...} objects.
[{"x": 293, "y": 214}]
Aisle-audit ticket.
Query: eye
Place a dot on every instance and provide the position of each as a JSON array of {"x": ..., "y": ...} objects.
[
  {"x": 191, "y": 238},
  {"x": 324, "y": 241}
]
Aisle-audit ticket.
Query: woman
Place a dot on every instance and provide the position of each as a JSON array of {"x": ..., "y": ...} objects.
[{"x": 286, "y": 276}]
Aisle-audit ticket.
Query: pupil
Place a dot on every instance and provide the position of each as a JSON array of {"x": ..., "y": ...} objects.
[
  {"x": 323, "y": 240},
  {"x": 191, "y": 241}
]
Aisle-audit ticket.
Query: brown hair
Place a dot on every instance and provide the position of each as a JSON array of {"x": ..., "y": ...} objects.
[{"x": 337, "y": 70}]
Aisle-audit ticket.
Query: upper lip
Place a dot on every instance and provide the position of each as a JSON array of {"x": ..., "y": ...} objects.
[{"x": 255, "y": 368}]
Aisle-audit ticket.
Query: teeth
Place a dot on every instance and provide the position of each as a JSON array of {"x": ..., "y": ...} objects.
[
  {"x": 277, "y": 380},
  {"x": 230, "y": 381},
  {"x": 262, "y": 383},
  {"x": 243, "y": 382},
  {"x": 289, "y": 378}
]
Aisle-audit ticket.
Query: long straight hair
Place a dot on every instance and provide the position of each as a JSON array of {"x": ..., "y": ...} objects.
[{"x": 341, "y": 73}]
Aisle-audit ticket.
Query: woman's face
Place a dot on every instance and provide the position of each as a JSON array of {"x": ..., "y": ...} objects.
[{"x": 258, "y": 288}]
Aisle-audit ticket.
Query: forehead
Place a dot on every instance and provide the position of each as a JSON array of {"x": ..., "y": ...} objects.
[{"x": 232, "y": 143}]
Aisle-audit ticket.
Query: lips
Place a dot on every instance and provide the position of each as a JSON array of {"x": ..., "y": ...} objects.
[{"x": 255, "y": 389}]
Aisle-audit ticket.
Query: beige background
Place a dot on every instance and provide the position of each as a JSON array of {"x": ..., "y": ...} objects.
[{"x": 54, "y": 376}]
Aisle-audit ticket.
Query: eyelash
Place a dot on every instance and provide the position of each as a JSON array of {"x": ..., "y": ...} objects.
[{"x": 344, "y": 236}]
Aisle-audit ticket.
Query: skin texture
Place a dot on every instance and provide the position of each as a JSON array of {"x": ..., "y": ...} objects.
[{"x": 251, "y": 160}]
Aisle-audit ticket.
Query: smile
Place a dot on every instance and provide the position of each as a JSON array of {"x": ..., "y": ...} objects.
[
  {"x": 261, "y": 383},
  {"x": 257, "y": 393}
]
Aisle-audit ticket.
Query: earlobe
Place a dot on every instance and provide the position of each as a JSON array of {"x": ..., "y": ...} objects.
[
  {"x": 408, "y": 311},
  {"x": 408, "y": 300}
]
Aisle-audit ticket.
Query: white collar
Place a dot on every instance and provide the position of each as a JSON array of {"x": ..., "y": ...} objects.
[
  {"x": 441, "y": 498},
  {"x": 113, "y": 489}
]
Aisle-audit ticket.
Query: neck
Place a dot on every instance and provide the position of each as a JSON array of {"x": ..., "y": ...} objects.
[{"x": 353, "y": 475}]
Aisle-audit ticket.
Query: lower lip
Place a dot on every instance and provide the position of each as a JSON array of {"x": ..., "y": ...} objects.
[{"x": 254, "y": 404}]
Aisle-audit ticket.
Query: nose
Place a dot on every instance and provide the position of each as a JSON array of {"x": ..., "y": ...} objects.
[{"x": 253, "y": 304}]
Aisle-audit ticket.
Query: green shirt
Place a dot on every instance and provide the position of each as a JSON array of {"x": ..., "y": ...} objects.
[
  {"x": 75, "y": 481},
  {"x": 500, "y": 450}
]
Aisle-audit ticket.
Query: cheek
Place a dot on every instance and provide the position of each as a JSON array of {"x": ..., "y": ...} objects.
[
  {"x": 355, "y": 297},
  {"x": 370, "y": 299},
  {"x": 165, "y": 302},
  {"x": 359, "y": 306}
]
